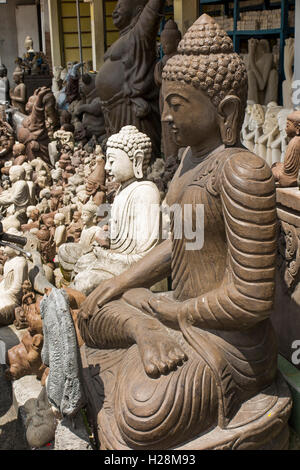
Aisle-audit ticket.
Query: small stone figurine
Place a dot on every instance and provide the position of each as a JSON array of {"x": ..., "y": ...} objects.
[{"x": 286, "y": 173}]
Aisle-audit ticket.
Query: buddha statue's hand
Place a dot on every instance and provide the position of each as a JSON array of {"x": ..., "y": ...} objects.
[
  {"x": 165, "y": 310},
  {"x": 106, "y": 291},
  {"x": 140, "y": 298}
]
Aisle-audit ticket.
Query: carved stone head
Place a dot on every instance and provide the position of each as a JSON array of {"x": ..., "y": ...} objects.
[
  {"x": 205, "y": 87},
  {"x": 293, "y": 124},
  {"x": 170, "y": 37},
  {"x": 126, "y": 11},
  {"x": 128, "y": 154}
]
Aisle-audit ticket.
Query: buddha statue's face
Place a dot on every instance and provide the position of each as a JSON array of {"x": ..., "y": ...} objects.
[
  {"x": 190, "y": 114},
  {"x": 118, "y": 165},
  {"x": 292, "y": 128},
  {"x": 125, "y": 11},
  {"x": 87, "y": 217},
  {"x": 15, "y": 175}
]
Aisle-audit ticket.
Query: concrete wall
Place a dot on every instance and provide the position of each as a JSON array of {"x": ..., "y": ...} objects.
[{"x": 8, "y": 34}]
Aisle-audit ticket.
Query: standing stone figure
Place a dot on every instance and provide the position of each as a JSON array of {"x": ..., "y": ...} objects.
[
  {"x": 262, "y": 74},
  {"x": 4, "y": 85},
  {"x": 125, "y": 82},
  {"x": 191, "y": 368},
  {"x": 18, "y": 94},
  {"x": 287, "y": 90},
  {"x": 170, "y": 38}
]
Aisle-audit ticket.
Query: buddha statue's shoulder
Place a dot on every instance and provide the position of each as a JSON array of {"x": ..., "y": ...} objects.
[
  {"x": 248, "y": 173},
  {"x": 234, "y": 167},
  {"x": 143, "y": 191}
]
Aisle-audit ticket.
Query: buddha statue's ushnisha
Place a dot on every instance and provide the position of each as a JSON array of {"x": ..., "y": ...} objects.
[{"x": 191, "y": 368}]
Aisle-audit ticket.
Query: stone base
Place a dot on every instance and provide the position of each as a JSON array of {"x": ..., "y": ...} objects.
[
  {"x": 260, "y": 424},
  {"x": 269, "y": 431},
  {"x": 292, "y": 376}
]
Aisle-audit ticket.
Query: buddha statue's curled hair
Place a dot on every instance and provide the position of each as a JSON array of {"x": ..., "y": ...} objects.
[
  {"x": 206, "y": 60},
  {"x": 131, "y": 139}
]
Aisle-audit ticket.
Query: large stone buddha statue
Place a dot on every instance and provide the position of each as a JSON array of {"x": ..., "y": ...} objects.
[
  {"x": 125, "y": 82},
  {"x": 196, "y": 367}
]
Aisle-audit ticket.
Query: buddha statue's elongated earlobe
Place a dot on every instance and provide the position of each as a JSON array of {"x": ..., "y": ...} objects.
[
  {"x": 228, "y": 117},
  {"x": 138, "y": 159}
]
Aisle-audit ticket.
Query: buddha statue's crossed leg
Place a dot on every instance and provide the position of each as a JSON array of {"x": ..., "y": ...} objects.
[{"x": 119, "y": 325}]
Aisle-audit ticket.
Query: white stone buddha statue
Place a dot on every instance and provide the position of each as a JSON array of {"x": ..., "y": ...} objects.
[
  {"x": 14, "y": 274},
  {"x": 134, "y": 222},
  {"x": 18, "y": 195}
]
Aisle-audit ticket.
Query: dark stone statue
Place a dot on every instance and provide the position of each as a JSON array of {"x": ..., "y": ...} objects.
[
  {"x": 90, "y": 110},
  {"x": 34, "y": 132},
  {"x": 196, "y": 367},
  {"x": 125, "y": 82},
  {"x": 170, "y": 38}
]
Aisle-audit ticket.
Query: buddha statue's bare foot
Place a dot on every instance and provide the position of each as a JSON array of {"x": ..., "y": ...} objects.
[{"x": 160, "y": 354}]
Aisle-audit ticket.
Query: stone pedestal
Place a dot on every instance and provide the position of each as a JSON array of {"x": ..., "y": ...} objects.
[{"x": 286, "y": 315}]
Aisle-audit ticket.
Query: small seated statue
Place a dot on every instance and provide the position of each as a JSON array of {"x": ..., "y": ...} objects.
[
  {"x": 75, "y": 228},
  {"x": 60, "y": 235},
  {"x": 18, "y": 195},
  {"x": 134, "y": 214},
  {"x": 18, "y": 94},
  {"x": 69, "y": 253},
  {"x": 14, "y": 274},
  {"x": 95, "y": 185},
  {"x": 18, "y": 154},
  {"x": 191, "y": 368},
  {"x": 286, "y": 173},
  {"x": 7, "y": 141}
]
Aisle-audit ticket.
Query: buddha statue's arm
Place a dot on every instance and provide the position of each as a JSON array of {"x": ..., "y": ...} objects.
[
  {"x": 149, "y": 19},
  {"x": 6, "y": 198},
  {"x": 153, "y": 267},
  {"x": 246, "y": 294}
]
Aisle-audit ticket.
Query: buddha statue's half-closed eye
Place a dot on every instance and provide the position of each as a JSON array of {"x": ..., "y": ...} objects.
[{"x": 196, "y": 367}]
